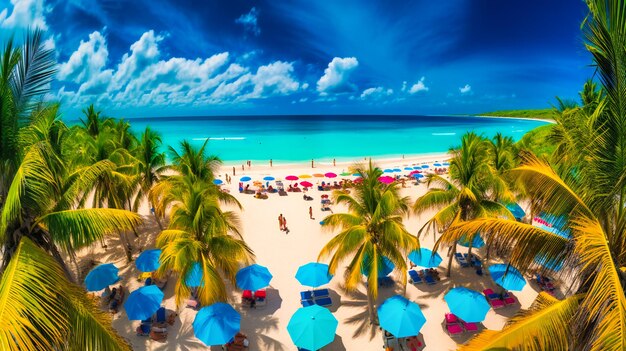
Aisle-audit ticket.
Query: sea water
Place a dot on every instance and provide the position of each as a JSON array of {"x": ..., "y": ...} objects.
[{"x": 327, "y": 137}]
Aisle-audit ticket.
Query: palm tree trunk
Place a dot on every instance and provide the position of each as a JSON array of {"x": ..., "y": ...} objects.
[
  {"x": 372, "y": 310},
  {"x": 451, "y": 254},
  {"x": 126, "y": 246}
]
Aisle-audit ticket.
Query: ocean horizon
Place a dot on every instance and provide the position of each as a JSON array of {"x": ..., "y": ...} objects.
[{"x": 292, "y": 138}]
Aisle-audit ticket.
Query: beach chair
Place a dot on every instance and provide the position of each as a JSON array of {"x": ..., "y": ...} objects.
[
  {"x": 491, "y": 295},
  {"x": 143, "y": 329},
  {"x": 385, "y": 282},
  {"x": 509, "y": 299},
  {"x": 470, "y": 327},
  {"x": 429, "y": 279},
  {"x": 454, "y": 329},
  {"x": 306, "y": 295},
  {"x": 460, "y": 259},
  {"x": 414, "y": 277},
  {"x": 320, "y": 293},
  {"x": 324, "y": 301},
  {"x": 451, "y": 318},
  {"x": 307, "y": 303},
  {"x": 160, "y": 315},
  {"x": 496, "y": 303}
]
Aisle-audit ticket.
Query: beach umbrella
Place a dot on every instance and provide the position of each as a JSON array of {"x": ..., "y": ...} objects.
[
  {"x": 193, "y": 279},
  {"x": 217, "y": 181},
  {"x": 253, "y": 277},
  {"x": 388, "y": 170},
  {"x": 425, "y": 166},
  {"x": 245, "y": 179},
  {"x": 346, "y": 174},
  {"x": 415, "y": 172},
  {"x": 384, "y": 268},
  {"x": 425, "y": 258},
  {"x": 408, "y": 168},
  {"x": 306, "y": 184},
  {"x": 437, "y": 164},
  {"x": 469, "y": 305},
  {"x": 216, "y": 324},
  {"x": 318, "y": 175},
  {"x": 291, "y": 177},
  {"x": 358, "y": 180},
  {"x": 313, "y": 274},
  {"x": 304, "y": 176},
  {"x": 312, "y": 327},
  {"x": 418, "y": 176},
  {"x": 477, "y": 241},
  {"x": 386, "y": 179},
  {"x": 330, "y": 175},
  {"x": 401, "y": 317},
  {"x": 268, "y": 178},
  {"x": 148, "y": 261},
  {"x": 553, "y": 264},
  {"x": 446, "y": 164},
  {"x": 516, "y": 210},
  {"x": 507, "y": 277},
  {"x": 397, "y": 170},
  {"x": 417, "y": 167},
  {"x": 143, "y": 302},
  {"x": 356, "y": 174},
  {"x": 101, "y": 277}
]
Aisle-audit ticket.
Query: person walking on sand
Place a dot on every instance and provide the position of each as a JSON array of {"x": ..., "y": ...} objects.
[
  {"x": 285, "y": 225},
  {"x": 280, "y": 221},
  {"x": 270, "y": 162},
  {"x": 311, "y": 212},
  {"x": 234, "y": 170},
  {"x": 333, "y": 162}
]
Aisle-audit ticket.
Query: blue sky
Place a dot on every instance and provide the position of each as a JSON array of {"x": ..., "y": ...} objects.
[{"x": 192, "y": 57}]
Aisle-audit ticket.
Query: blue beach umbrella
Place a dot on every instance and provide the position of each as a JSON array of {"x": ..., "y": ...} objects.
[
  {"x": 446, "y": 164},
  {"x": 216, "y": 324},
  {"x": 425, "y": 166},
  {"x": 516, "y": 210},
  {"x": 477, "y": 241},
  {"x": 388, "y": 170},
  {"x": 253, "y": 277},
  {"x": 143, "y": 302},
  {"x": 313, "y": 274},
  {"x": 417, "y": 167},
  {"x": 193, "y": 279},
  {"x": 425, "y": 258},
  {"x": 268, "y": 178},
  {"x": 553, "y": 264},
  {"x": 148, "y": 261},
  {"x": 385, "y": 266},
  {"x": 217, "y": 181},
  {"x": 245, "y": 179},
  {"x": 312, "y": 327},
  {"x": 469, "y": 305},
  {"x": 437, "y": 164},
  {"x": 418, "y": 176},
  {"x": 101, "y": 277},
  {"x": 401, "y": 317},
  {"x": 408, "y": 168},
  {"x": 510, "y": 279},
  {"x": 397, "y": 170}
]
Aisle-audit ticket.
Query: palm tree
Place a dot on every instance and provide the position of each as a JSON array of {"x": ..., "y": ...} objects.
[
  {"x": 200, "y": 232},
  {"x": 590, "y": 188},
  {"x": 150, "y": 167},
  {"x": 42, "y": 310},
  {"x": 25, "y": 74},
  {"x": 372, "y": 229},
  {"x": 93, "y": 123},
  {"x": 467, "y": 195}
]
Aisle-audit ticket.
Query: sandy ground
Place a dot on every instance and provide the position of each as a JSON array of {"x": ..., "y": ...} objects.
[{"x": 284, "y": 253}]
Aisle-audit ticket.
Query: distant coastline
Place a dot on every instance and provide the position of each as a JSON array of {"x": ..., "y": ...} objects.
[{"x": 547, "y": 114}]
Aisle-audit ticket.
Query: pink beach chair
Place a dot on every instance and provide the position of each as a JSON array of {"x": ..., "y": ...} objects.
[
  {"x": 454, "y": 329},
  {"x": 496, "y": 303},
  {"x": 470, "y": 327}
]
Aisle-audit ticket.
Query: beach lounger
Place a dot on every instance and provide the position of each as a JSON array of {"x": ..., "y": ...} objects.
[
  {"x": 491, "y": 295},
  {"x": 451, "y": 318},
  {"x": 246, "y": 294},
  {"x": 320, "y": 293},
  {"x": 143, "y": 329},
  {"x": 324, "y": 301},
  {"x": 160, "y": 315},
  {"x": 306, "y": 295},
  {"x": 470, "y": 327},
  {"x": 461, "y": 260},
  {"x": 385, "y": 282},
  {"x": 429, "y": 279},
  {"x": 414, "y": 277},
  {"x": 496, "y": 303},
  {"x": 307, "y": 303},
  {"x": 509, "y": 299},
  {"x": 454, "y": 329}
]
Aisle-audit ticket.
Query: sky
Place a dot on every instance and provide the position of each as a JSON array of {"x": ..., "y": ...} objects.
[{"x": 150, "y": 58}]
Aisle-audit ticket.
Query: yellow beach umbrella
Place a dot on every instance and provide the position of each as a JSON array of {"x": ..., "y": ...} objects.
[
  {"x": 318, "y": 175},
  {"x": 304, "y": 176}
]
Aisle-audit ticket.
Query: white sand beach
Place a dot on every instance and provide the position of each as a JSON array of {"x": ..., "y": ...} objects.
[{"x": 283, "y": 253}]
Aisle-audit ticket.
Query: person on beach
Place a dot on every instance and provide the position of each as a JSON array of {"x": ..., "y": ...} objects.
[
  {"x": 311, "y": 212},
  {"x": 285, "y": 225},
  {"x": 280, "y": 221},
  {"x": 312, "y": 164},
  {"x": 234, "y": 170},
  {"x": 333, "y": 162},
  {"x": 270, "y": 162},
  {"x": 243, "y": 168}
]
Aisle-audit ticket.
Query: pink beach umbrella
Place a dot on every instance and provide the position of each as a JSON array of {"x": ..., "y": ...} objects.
[
  {"x": 415, "y": 172},
  {"x": 291, "y": 177},
  {"x": 330, "y": 175},
  {"x": 306, "y": 184},
  {"x": 386, "y": 179}
]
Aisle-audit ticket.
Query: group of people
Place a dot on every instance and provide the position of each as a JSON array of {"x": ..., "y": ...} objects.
[
  {"x": 227, "y": 177},
  {"x": 114, "y": 297},
  {"x": 282, "y": 222}
]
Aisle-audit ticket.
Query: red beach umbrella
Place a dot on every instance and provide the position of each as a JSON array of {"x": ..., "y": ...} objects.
[
  {"x": 306, "y": 184},
  {"x": 386, "y": 179},
  {"x": 291, "y": 177},
  {"x": 415, "y": 172},
  {"x": 330, "y": 175}
]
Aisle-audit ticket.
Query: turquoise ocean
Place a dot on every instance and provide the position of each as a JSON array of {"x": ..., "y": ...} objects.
[{"x": 343, "y": 137}]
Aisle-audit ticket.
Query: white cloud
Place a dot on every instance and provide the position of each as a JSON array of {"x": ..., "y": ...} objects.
[
  {"x": 336, "y": 75},
  {"x": 403, "y": 86},
  {"x": 419, "y": 86},
  {"x": 142, "y": 78},
  {"x": 466, "y": 89},
  {"x": 376, "y": 93},
  {"x": 25, "y": 13},
  {"x": 249, "y": 21}
]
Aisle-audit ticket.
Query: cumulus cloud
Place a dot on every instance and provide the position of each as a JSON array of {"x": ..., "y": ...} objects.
[
  {"x": 466, "y": 89},
  {"x": 336, "y": 76},
  {"x": 249, "y": 21},
  {"x": 25, "y": 13},
  {"x": 375, "y": 93},
  {"x": 419, "y": 86},
  {"x": 142, "y": 78}
]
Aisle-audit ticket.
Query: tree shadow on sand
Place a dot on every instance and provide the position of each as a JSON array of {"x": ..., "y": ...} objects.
[{"x": 361, "y": 319}]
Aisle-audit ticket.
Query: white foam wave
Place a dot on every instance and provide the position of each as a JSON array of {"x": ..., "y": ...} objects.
[
  {"x": 443, "y": 133},
  {"x": 223, "y": 138}
]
